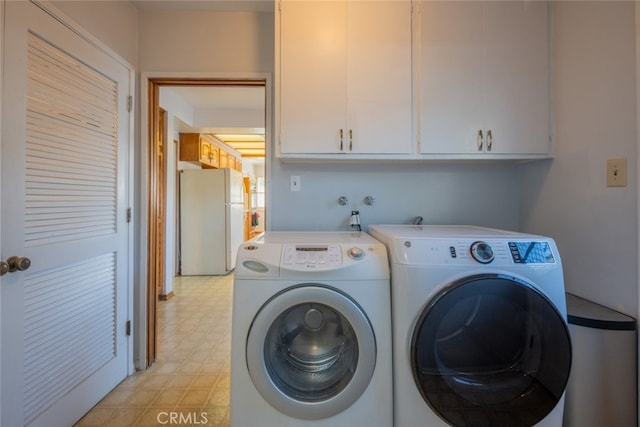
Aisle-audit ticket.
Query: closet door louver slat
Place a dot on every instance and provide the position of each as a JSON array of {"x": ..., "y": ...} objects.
[
  {"x": 71, "y": 191},
  {"x": 69, "y": 328},
  {"x": 71, "y": 148}
]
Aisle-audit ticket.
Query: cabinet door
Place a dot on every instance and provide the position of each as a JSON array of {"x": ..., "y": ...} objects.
[
  {"x": 379, "y": 101},
  {"x": 215, "y": 156},
  {"x": 451, "y": 76},
  {"x": 484, "y": 68},
  {"x": 205, "y": 151},
  {"x": 345, "y": 77},
  {"x": 312, "y": 77},
  {"x": 224, "y": 159},
  {"x": 517, "y": 94}
]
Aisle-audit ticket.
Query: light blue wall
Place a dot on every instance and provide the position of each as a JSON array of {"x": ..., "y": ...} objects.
[
  {"x": 114, "y": 23},
  {"x": 478, "y": 193},
  {"x": 595, "y": 226},
  {"x": 594, "y": 77},
  {"x": 206, "y": 41},
  {"x": 442, "y": 193}
]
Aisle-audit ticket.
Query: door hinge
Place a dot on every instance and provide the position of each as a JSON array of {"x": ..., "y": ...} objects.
[
  {"x": 129, "y": 103},
  {"x": 128, "y": 328},
  {"x": 128, "y": 214}
]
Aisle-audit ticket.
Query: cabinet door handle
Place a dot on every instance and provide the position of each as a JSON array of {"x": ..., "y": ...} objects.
[
  {"x": 350, "y": 140},
  {"x": 341, "y": 140},
  {"x": 489, "y": 140},
  {"x": 480, "y": 140}
]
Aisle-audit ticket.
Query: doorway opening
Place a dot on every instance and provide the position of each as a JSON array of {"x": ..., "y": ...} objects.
[{"x": 233, "y": 115}]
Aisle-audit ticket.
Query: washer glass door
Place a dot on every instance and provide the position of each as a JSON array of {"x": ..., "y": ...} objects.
[
  {"x": 311, "y": 352},
  {"x": 491, "y": 350}
]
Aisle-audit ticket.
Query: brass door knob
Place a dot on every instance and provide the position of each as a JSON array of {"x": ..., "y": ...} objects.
[
  {"x": 4, "y": 268},
  {"x": 18, "y": 263}
]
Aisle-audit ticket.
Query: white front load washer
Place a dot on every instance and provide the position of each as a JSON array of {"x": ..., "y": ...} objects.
[
  {"x": 311, "y": 331},
  {"x": 480, "y": 336}
]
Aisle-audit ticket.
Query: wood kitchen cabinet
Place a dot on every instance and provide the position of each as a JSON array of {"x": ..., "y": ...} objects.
[
  {"x": 484, "y": 79},
  {"x": 343, "y": 78},
  {"x": 230, "y": 160},
  {"x": 196, "y": 148},
  {"x": 224, "y": 159},
  {"x": 208, "y": 152}
]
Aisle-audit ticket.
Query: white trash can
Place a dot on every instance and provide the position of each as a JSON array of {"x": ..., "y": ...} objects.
[{"x": 602, "y": 387}]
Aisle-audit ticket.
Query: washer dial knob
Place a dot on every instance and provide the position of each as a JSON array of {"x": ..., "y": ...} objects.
[
  {"x": 482, "y": 252},
  {"x": 355, "y": 253}
]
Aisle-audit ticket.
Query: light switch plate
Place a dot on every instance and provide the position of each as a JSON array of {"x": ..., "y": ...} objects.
[
  {"x": 294, "y": 183},
  {"x": 617, "y": 172}
]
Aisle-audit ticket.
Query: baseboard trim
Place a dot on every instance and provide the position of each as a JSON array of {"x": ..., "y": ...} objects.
[{"x": 166, "y": 297}]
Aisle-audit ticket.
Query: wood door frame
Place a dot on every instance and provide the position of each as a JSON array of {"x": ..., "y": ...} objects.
[
  {"x": 161, "y": 164},
  {"x": 151, "y": 212}
]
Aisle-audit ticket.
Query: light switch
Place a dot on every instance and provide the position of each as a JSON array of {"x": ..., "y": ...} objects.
[
  {"x": 617, "y": 172},
  {"x": 294, "y": 183}
]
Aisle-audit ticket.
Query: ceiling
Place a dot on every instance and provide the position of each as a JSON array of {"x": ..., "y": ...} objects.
[
  {"x": 247, "y": 140},
  {"x": 248, "y": 145},
  {"x": 236, "y": 97}
]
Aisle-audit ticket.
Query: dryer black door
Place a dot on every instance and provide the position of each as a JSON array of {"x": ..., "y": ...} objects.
[{"x": 491, "y": 350}]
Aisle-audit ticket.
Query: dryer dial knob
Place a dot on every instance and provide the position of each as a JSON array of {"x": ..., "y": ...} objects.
[
  {"x": 356, "y": 253},
  {"x": 482, "y": 252}
]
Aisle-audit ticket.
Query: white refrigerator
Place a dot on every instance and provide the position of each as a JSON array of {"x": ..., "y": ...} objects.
[{"x": 211, "y": 220}]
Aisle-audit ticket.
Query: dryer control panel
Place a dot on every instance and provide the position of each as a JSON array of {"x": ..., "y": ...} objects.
[
  {"x": 473, "y": 252},
  {"x": 526, "y": 252}
]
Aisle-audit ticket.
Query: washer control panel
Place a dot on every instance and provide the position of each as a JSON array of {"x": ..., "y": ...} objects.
[
  {"x": 312, "y": 256},
  {"x": 320, "y": 256},
  {"x": 355, "y": 253}
]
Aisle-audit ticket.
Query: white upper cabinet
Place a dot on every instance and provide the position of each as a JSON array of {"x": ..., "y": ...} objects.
[
  {"x": 343, "y": 79},
  {"x": 484, "y": 79}
]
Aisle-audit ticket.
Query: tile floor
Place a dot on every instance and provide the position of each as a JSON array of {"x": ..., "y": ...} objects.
[{"x": 190, "y": 379}]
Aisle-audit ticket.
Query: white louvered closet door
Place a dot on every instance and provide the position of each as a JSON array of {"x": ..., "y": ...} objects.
[{"x": 65, "y": 145}]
